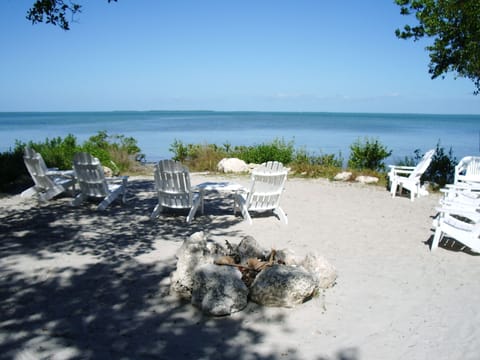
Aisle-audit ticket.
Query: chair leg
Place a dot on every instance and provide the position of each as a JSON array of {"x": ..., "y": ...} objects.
[
  {"x": 156, "y": 211},
  {"x": 110, "y": 198},
  {"x": 246, "y": 215},
  {"x": 29, "y": 192},
  {"x": 393, "y": 188},
  {"x": 436, "y": 238},
  {"x": 281, "y": 214},
  {"x": 124, "y": 196},
  {"x": 78, "y": 200},
  {"x": 196, "y": 203}
]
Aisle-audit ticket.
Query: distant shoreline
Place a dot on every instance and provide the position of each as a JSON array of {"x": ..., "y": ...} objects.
[{"x": 232, "y": 112}]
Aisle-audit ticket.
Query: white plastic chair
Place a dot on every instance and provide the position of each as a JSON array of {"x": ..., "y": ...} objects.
[
  {"x": 93, "y": 183},
  {"x": 264, "y": 194},
  {"x": 408, "y": 177},
  {"x": 48, "y": 182},
  {"x": 459, "y": 223},
  {"x": 467, "y": 171},
  {"x": 172, "y": 184},
  {"x": 274, "y": 166}
]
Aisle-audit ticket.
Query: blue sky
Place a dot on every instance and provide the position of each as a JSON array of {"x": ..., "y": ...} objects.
[{"x": 259, "y": 55}]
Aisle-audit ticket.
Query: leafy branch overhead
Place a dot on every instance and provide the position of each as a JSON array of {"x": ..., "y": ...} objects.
[
  {"x": 56, "y": 12},
  {"x": 454, "y": 26}
]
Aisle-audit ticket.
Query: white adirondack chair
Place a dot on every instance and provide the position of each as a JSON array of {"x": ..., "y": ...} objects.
[
  {"x": 273, "y": 166},
  {"x": 48, "y": 183},
  {"x": 460, "y": 223},
  {"x": 408, "y": 177},
  {"x": 93, "y": 183},
  {"x": 467, "y": 171},
  {"x": 172, "y": 184},
  {"x": 264, "y": 194}
]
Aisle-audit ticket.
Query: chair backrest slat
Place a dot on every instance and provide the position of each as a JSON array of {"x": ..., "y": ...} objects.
[
  {"x": 468, "y": 170},
  {"x": 37, "y": 169},
  {"x": 266, "y": 189},
  {"x": 90, "y": 175},
  {"x": 423, "y": 165},
  {"x": 172, "y": 183}
]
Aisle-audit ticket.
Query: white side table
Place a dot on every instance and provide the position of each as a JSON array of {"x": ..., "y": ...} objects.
[{"x": 221, "y": 187}]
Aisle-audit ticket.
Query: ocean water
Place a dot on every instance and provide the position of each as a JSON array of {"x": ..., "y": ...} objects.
[{"x": 317, "y": 133}]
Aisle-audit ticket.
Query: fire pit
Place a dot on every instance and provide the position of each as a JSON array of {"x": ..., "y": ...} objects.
[{"x": 221, "y": 279}]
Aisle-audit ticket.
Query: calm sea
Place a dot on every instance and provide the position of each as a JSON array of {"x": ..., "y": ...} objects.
[{"x": 318, "y": 133}]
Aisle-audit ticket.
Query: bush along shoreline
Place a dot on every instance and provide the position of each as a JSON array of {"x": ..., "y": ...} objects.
[{"x": 123, "y": 156}]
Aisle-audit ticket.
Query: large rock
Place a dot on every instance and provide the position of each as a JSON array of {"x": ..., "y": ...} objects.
[
  {"x": 219, "y": 290},
  {"x": 343, "y": 176},
  {"x": 366, "y": 179},
  {"x": 250, "y": 248},
  {"x": 283, "y": 286},
  {"x": 321, "y": 269},
  {"x": 195, "y": 251},
  {"x": 232, "y": 165}
]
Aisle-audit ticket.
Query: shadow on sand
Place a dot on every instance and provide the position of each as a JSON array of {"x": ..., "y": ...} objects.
[{"x": 72, "y": 287}]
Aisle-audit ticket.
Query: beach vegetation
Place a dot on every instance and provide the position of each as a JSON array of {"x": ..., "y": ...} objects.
[
  {"x": 117, "y": 152},
  {"x": 198, "y": 157},
  {"x": 13, "y": 174},
  {"x": 205, "y": 157},
  {"x": 276, "y": 150},
  {"x": 368, "y": 154},
  {"x": 442, "y": 168},
  {"x": 454, "y": 27}
]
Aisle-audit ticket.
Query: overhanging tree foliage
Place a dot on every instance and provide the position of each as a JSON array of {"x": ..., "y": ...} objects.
[
  {"x": 56, "y": 12},
  {"x": 454, "y": 26}
]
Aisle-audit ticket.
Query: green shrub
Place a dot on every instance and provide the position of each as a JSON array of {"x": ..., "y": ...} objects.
[
  {"x": 277, "y": 150},
  {"x": 179, "y": 150},
  {"x": 368, "y": 154},
  {"x": 442, "y": 168},
  {"x": 117, "y": 152},
  {"x": 16, "y": 176},
  {"x": 57, "y": 152}
]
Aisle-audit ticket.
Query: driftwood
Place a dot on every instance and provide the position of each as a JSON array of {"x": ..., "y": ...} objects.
[{"x": 251, "y": 268}]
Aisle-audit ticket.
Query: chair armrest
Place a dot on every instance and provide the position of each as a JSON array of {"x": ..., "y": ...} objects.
[
  {"x": 395, "y": 170},
  {"x": 461, "y": 211},
  {"x": 117, "y": 179},
  {"x": 62, "y": 173},
  {"x": 395, "y": 167}
]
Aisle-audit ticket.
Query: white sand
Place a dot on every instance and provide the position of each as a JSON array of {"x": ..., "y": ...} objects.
[{"x": 78, "y": 284}]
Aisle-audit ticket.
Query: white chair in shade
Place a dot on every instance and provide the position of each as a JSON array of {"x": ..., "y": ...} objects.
[
  {"x": 408, "y": 177},
  {"x": 274, "y": 166},
  {"x": 173, "y": 187},
  {"x": 264, "y": 194},
  {"x": 467, "y": 171},
  {"x": 48, "y": 182},
  {"x": 459, "y": 223},
  {"x": 93, "y": 183}
]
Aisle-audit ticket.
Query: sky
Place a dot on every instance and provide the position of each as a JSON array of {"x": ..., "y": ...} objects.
[{"x": 225, "y": 55}]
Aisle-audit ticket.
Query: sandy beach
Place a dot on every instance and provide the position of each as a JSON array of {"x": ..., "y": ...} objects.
[{"x": 80, "y": 284}]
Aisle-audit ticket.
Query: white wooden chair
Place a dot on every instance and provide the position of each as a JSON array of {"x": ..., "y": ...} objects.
[
  {"x": 408, "y": 177},
  {"x": 48, "y": 182},
  {"x": 93, "y": 183},
  {"x": 459, "y": 223},
  {"x": 273, "y": 166},
  {"x": 264, "y": 194},
  {"x": 172, "y": 184},
  {"x": 467, "y": 171}
]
